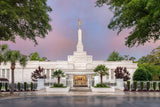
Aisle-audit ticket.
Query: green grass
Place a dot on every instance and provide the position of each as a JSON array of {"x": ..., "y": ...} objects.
[
  {"x": 102, "y": 87},
  {"x": 59, "y": 87}
]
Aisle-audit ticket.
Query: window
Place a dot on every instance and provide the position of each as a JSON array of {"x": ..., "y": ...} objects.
[
  {"x": 3, "y": 73},
  {"x": 112, "y": 74},
  {"x": 107, "y": 76},
  {"x": 52, "y": 70},
  {"x": 8, "y": 74},
  {"x": 48, "y": 73}
]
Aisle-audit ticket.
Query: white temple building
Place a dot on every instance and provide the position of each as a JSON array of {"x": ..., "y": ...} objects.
[{"x": 78, "y": 68}]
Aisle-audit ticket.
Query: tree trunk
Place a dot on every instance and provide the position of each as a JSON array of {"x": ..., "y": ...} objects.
[
  {"x": 58, "y": 81},
  {"x": 12, "y": 84},
  {"x": 101, "y": 79}
]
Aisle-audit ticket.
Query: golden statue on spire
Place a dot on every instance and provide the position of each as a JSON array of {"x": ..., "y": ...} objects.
[{"x": 79, "y": 23}]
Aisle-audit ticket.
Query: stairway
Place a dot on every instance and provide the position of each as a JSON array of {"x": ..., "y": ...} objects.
[{"x": 80, "y": 89}]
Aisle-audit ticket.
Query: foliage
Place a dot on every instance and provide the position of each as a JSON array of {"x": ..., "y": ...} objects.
[
  {"x": 122, "y": 73},
  {"x": 58, "y": 74},
  {"x": 35, "y": 57},
  {"x": 27, "y": 19},
  {"x": 3, "y": 49},
  {"x": 102, "y": 71},
  {"x": 101, "y": 86},
  {"x": 128, "y": 85},
  {"x": 142, "y": 85},
  {"x": 6, "y": 86},
  {"x": 0, "y": 86},
  {"x": 154, "y": 85},
  {"x": 38, "y": 73},
  {"x": 140, "y": 75},
  {"x": 115, "y": 56},
  {"x": 135, "y": 85},
  {"x": 56, "y": 85},
  {"x": 31, "y": 85},
  {"x": 141, "y": 16},
  {"x": 159, "y": 85},
  {"x": 19, "y": 86},
  {"x": 25, "y": 86},
  {"x": 148, "y": 85},
  {"x": 132, "y": 58}
]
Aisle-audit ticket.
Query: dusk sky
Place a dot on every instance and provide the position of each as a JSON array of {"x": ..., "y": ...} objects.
[{"x": 98, "y": 40}]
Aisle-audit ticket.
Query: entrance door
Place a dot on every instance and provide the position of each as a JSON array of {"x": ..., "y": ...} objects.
[{"x": 80, "y": 81}]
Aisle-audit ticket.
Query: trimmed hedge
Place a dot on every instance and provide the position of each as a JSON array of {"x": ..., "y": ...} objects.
[
  {"x": 6, "y": 86},
  {"x": 128, "y": 85},
  {"x": 135, "y": 85},
  {"x": 154, "y": 85},
  {"x": 0, "y": 86},
  {"x": 142, "y": 85},
  {"x": 31, "y": 85},
  {"x": 19, "y": 86},
  {"x": 25, "y": 86},
  {"x": 148, "y": 85}
]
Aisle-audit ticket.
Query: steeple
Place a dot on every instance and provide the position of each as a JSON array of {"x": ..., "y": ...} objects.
[{"x": 79, "y": 44}]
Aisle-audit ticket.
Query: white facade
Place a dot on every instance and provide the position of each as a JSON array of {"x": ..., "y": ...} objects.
[{"x": 77, "y": 64}]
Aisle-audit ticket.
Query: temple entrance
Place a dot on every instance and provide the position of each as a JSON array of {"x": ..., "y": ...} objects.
[{"x": 80, "y": 81}]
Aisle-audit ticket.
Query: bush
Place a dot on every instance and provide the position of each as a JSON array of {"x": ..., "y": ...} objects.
[
  {"x": 99, "y": 85},
  {"x": 56, "y": 85},
  {"x": 25, "y": 86},
  {"x": 148, "y": 85},
  {"x": 135, "y": 85},
  {"x": 142, "y": 85},
  {"x": 159, "y": 85},
  {"x": 6, "y": 86},
  {"x": 154, "y": 85},
  {"x": 0, "y": 86},
  {"x": 140, "y": 75},
  {"x": 31, "y": 86},
  {"x": 128, "y": 85},
  {"x": 19, "y": 86}
]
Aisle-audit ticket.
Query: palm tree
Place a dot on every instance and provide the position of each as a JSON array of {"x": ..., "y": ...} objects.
[
  {"x": 102, "y": 71},
  {"x": 13, "y": 57},
  {"x": 3, "y": 49},
  {"x": 58, "y": 74}
]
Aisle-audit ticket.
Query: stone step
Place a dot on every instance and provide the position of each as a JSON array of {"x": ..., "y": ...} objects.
[{"x": 80, "y": 89}]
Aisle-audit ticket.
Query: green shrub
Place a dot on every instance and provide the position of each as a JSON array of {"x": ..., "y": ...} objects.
[
  {"x": 6, "y": 86},
  {"x": 140, "y": 75},
  {"x": 154, "y": 85},
  {"x": 25, "y": 86},
  {"x": 19, "y": 86},
  {"x": 135, "y": 85},
  {"x": 128, "y": 85},
  {"x": 56, "y": 85},
  {"x": 99, "y": 85},
  {"x": 148, "y": 85},
  {"x": 142, "y": 85},
  {"x": 31, "y": 86},
  {"x": 0, "y": 86},
  {"x": 159, "y": 85}
]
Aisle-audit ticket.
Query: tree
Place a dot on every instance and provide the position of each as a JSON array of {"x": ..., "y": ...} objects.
[
  {"x": 13, "y": 57},
  {"x": 132, "y": 58},
  {"x": 140, "y": 75},
  {"x": 115, "y": 56},
  {"x": 58, "y": 74},
  {"x": 38, "y": 73},
  {"x": 122, "y": 73},
  {"x": 27, "y": 19},
  {"x": 126, "y": 57},
  {"x": 3, "y": 49},
  {"x": 35, "y": 57},
  {"x": 141, "y": 16},
  {"x": 102, "y": 71}
]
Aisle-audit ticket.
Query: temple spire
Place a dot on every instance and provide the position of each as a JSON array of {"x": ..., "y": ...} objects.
[{"x": 79, "y": 44}]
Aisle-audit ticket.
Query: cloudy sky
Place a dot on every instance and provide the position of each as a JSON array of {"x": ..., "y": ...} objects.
[{"x": 98, "y": 40}]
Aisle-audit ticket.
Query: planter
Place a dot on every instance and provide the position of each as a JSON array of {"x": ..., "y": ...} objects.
[
  {"x": 57, "y": 90},
  {"x": 40, "y": 84},
  {"x": 105, "y": 90},
  {"x": 120, "y": 84}
]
